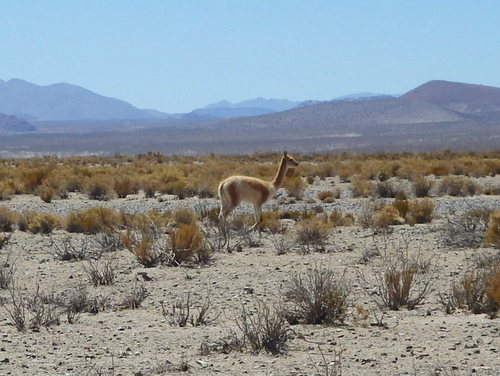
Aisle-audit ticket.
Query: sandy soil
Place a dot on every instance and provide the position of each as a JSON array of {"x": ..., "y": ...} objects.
[{"x": 142, "y": 341}]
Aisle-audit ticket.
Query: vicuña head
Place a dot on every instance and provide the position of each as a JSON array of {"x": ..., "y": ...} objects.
[{"x": 236, "y": 189}]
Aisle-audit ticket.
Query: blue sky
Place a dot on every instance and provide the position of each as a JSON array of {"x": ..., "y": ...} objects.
[{"x": 175, "y": 56}]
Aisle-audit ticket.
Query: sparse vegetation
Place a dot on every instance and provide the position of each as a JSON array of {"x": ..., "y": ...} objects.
[
  {"x": 110, "y": 244},
  {"x": 318, "y": 297}
]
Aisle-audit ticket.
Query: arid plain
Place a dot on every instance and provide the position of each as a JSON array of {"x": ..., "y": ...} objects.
[{"x": 205, "y": 314}]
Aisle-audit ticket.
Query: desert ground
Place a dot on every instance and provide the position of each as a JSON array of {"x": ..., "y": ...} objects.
[{"x": 148, "y": 340}]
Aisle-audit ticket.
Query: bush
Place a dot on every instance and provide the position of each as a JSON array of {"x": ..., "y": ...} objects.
[
  {"x": 397, "y": 285},
  {"x": 466, "y": 229},
  {"x": 312, "y": 234},
  {"x": 458, "y": 186},
  {"x": 99, "y": 189},
  {"x": 43, "y": 223},
  {"x": 295, "y": 186},
  {"x": 422, "y": 187},
  {"x": 329, "y": 196},
  {"x": 145, "y": 245},
  {"x": 387, "y": 215},
  {"x": 92, "y": 220},
  {"x": 385, "y": 189},
  {"x": 47, "y": 194},
  {"x": 492, "y": 237},
  {"x": 184, "y": 217},
  {"x": 6, "y": 191},
  {"x": 186, "y": 242},
  {"x": 265, "y": 329},
  {"x": 318, "y": 297},
  {"x": 477, "y": 291},
  {"x": 402, "y": 206},
  {"x": 361, "y": 187},
  {"x": 420, "y": 210},
  {"x": 271, "y": 221},
  {"x": 339, "y": 219},
  {"x": 7, "y": 219},
  {"x": 123, "y": 186}
]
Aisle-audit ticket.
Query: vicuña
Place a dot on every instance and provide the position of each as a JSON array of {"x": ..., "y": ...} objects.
[{"x": 236, "y": 189}]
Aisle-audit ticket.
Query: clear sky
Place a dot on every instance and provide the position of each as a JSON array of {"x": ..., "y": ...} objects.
[{"x": 177, "y": 55}]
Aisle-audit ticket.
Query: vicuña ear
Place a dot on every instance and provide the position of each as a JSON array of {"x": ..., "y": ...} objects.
[{"x": 285, "y": 153}]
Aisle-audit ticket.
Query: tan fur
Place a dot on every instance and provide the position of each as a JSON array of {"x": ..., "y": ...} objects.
[{"x": 236, "y": 189}]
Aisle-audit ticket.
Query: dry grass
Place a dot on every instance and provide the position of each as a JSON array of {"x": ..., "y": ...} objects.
[
  {"x": 420, "y": 210},
  {"x": 8, "y": 219},
  {"x": 92, "y": 221},
  {"x": 312, "y": 234},
  {"x": 492, "y": 237},
  {"x": 361, "y": 187}
]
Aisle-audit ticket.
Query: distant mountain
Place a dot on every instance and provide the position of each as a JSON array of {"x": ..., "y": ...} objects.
[
  {"x": 365, "y": 96},
  {"x": 14, "y": 124},
  {"x": 63, "y": 101},
  {"x": 457, "y": 96},
  {"x": 270, "y": 104},
  {"x": 251, "y": 107},
  {"x": 349, "y": 98}
]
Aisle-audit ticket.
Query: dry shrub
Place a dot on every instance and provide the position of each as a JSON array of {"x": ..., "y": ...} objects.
[
  {"x": 184, "y": 217},
  {"x": 265, "y": 329},
  {"x": 439, "y": 168},
  {"x": 339, "y": 219},
  {"x": 420, "y": 210},
  {"x": 6, "y": 271},
  {"x": 47, "y": 194},
  {"x": 458, "y": 186},
  {"x": 466, "y": 229},
  {"x": 492, "y": 237},
  {"x": 42, "y": 223},
  {"x": 361, "y": 187},
  {"x": 100, "y": 276},
  {"x": 99, "y": 188},
  {"x": 92, "y": 220},
  {"x": 422, "y": 187},
  {"x": 150, "y": 188},
  {"x": 123, "y": 186},
  {"x": 32, "y": 178},
  {"x": 242, "y": 221},
  {"x": 387, "y": 215},
  {"x": 318, "y": 297},
  {"x": 8, "y": 219},
  {"x": 312, "y": 234},
  {"x": 385, "y": 189},
  {"x": 493, "y": 284},
  {"x": 4, "y": 240},
  {"x": 329, "y": 196},
  {"x": 6, "y": 191},
  {"x": 186, "y": 244},
  {"x": 402, "y": 206},
  {"x": 477, "y": 291},
  {"x": 398, "y": 285},
  {"x": 271, "y": 221},
  {"x": 295, "y": 186},
  {"x": 145, "y": 245}
]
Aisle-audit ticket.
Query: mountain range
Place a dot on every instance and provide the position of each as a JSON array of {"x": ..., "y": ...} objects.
[{"x": 433, "y": 116}]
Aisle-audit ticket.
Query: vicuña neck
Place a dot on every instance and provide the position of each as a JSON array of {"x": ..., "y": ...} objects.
[{"x": 278, "y": 180}]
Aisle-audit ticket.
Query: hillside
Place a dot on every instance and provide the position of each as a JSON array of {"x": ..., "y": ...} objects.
[
  {"x": 338, "y": 116},
  {"x": 457, "y": 96},
  {"x": 62, "y": 101},
  {"x": 14, "y": 124}
]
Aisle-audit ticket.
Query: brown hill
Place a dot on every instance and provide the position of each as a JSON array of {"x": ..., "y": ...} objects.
[{"x": 457, "y": 96}]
